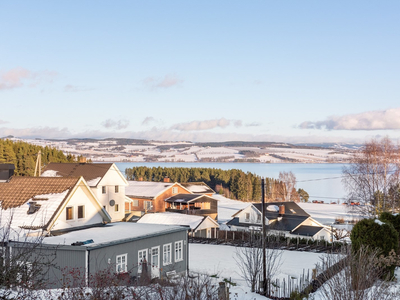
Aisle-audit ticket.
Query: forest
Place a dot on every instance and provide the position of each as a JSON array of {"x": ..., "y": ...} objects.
[
  {"x": 234, "y": 183},
  {"x": 23, "y": 155}
]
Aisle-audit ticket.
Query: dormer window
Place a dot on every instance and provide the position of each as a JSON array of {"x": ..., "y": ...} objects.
[{"x": 103, "y": 190}]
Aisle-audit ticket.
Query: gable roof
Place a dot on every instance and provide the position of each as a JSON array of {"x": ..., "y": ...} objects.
[
  {"x": 291, "y": 209},
  {"x": 198, "y": 187},
  {"x": 169, "y": 218},
  {"x": 90, "y": 171},
  {"x": 186, "y": 198},
  {"x": 146, "y": 189},
  {"x": 287, "y": 223},
  {"x": 307, "y": 230},
  {"x": 50, "y": 194}
]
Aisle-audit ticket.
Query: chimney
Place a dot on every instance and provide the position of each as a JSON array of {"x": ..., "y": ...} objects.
[
  {"x": 140, "y": 179},
  {"x": 82, "y": 160},
  {"x": 281, "y": 209},
  {"x": 6, "y": 171},
  {"x": 166, "y": 179}
]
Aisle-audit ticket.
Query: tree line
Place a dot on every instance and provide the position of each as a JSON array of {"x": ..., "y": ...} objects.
[
  {"x": 234, "y": 183},
  {"x": 23, "y": 155}
]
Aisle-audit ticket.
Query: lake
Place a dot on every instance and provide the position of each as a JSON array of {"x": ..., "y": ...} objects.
[{"x": 321, "y": 181}]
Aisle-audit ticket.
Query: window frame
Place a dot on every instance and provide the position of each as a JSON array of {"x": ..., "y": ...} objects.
[
  {"x": 169, "y": 254},
  {"x": 71, "y": 209},
  {"x": 175, "y": 190},
  {"x": 123, "y": 265},
  {"x": 178, "y": 251},
  {"x": 247, "y": 217},
  {"x": 116, "y": 207},
  {"x": 146, "y": 257},
  {"x": 104, "y": 189},
  {"x": 83, "y": 212},
  {"x": 116, "y": 189}
]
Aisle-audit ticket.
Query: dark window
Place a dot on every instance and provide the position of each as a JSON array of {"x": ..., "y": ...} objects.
[
  {"x": 70, "y": 214},
  {"x": 103, "y": 189},
  {"x": 116, "y": 207},
  {"x": 81, "y": 212},
  {"x": 116, "y": 189}
]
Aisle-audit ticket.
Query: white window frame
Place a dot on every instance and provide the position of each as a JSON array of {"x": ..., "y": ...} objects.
[
  {"x": 121, "y": 267},
  {"x": 104, "y": 189},
  {"x": 116, "y": 189},
  {"x": 247, "y": 217},
  {"x": 167, "y": 254},
  {"x": 116, "y": 207},
  {"x": 175, "y": 190},
  {"x": 84, "y": 212},
  {"x": 148, "y": 205},
  {"x": 73, "y": 213},
  {"x": 178, "y": 250},
  {"x": 146, "y": 251}
]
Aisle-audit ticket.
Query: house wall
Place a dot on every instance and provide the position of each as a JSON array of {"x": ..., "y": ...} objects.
[
  {"x": 213, "y": 211},
  {"x": 254, "y": 213},
  {"x": 111, "y": 179},
  {"x": 103, "y": 258},
  {"x": 81, "y": 196}
]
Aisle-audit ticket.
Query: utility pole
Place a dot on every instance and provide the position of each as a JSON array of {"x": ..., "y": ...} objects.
[
  {"x": 263, "y": 235},
  {"x": 38, "y": 167}
]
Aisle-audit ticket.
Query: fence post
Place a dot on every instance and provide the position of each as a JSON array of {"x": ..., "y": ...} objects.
[{"x": 223, "y": 291}]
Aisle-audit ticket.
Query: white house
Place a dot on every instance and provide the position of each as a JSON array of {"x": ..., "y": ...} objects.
[
  {"x": 50, "y": 204},
  {"x": 105, "y": 180}
]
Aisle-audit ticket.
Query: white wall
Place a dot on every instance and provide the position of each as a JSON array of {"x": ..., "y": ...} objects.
[{"x": 253, "y": 215}]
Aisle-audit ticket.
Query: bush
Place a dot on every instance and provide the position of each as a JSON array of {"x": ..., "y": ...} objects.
[
  {"x": 373, "y": 235},
  {"x": 392, "y": 219}
]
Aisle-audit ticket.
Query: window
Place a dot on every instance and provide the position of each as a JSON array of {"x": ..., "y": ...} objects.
[
  {"x": 116, "y": 189},
  {"x": 175, "y": 190},
  {"x": 81, "y": 211},
  {"x": 167, "y": 259},
  {"x": 142, "y": 259},
  {"x": 70, "y": 213},
  {"x": 116, "y": 207},
  {"x": 121, "y": 264},
  {"x": 247, "y": 217},
  {"x": 258, "y": 218},
  {"x": 103, "y": 189},
  {"x": 135, "y": 202},
  {"x": 178, "y": 251}
]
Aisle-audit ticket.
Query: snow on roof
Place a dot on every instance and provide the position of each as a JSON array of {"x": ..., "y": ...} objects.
[
  {"x": 146, "y": 188},
  {"x": 228, "y": 207},
  {"x": 93, "y": 182},
  {"x": 20, "y": 218},
  {"x": 194, "y": 188},
  {"x": 273, "y": 208},
  {"x": 169, "y": 218},
  {"x": 50, "y": 173},
  {"x": 109, "y": 233}
]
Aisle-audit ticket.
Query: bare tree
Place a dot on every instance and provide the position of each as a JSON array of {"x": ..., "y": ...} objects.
[
  {"x": 250, "y": 260},
  {"x": 372, "y": 177},
  {"x": 353, "y": 275},
  {"x": 289, "y": 185}
]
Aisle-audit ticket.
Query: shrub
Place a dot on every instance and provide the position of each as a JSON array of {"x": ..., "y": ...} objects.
[{"x": 392, "y": 219}]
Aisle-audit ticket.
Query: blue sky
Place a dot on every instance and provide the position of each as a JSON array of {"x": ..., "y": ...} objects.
[{"x": 290, "y": 71}]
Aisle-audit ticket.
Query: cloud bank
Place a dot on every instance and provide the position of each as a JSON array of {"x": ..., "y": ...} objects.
[
  {"x": 111, "y": 124},
  {"x": 17, "y": 77},
  {"x": 205, "y": 125},
  {"x": 372, "y": 120}
]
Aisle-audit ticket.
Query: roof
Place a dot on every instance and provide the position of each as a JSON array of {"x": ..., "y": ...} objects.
[
  {"x": 169, "y": 218},
  {"x": 287, "y": 223},
  {"x": 47, "y": 193},
  {"x": 113, "y": 233},
  {"x": 185, "y": 198},
  {"x": 92, "y": 173},
  {"x": 307, "y": 230},
  {"x": 291, "y": 209},
  {"x": 198, "y": 188},
  {"x": 18, "y": 190},
  {"x": 146, "y": 189}
]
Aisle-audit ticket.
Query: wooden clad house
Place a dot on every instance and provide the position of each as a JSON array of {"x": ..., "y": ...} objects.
[
  {"x": 105, "y": 180},
  {"x": 198, "y": 188},
  {"x": 193, "y": 204}
]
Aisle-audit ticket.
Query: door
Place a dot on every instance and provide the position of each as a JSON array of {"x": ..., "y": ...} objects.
[
  {"x": 209, "y": 233},
  {"x": 142, "y": 261},
  {"x": 155, "y": 262}
]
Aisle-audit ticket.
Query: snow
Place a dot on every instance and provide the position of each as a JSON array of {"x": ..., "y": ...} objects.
[
  {"x": 50, "y": 173},
  {"x": 379, "y": 222},
  {"x": 196, "y": 188},
  {"x": 169, "y": 218},
  {"x": 273, "y": 208},
  {"x": 228, "y": 207},
  {"x": 93, "y": 182},
  {"x": 109, "y": 233},
  {"x": 48, "y": 207},
  {"x": 146, "y": 188}
]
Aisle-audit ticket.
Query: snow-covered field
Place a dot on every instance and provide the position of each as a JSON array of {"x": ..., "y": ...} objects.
[{"x": 327, "y": 213}]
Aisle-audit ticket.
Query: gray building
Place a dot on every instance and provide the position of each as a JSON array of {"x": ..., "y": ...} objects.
[{"x": 126, "y": 249}]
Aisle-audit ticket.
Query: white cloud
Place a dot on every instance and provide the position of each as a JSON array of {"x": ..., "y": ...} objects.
[
  {"x": 372, "y": 120},
  {"x": 73, "y": 88},
  {"x": 168, "y": 81},
  {"x": 120, "y": 124},
  {"x": 205, "y": 125},
  {"x": 148, "y": 121},
  {"x": 17, "y": 77}
]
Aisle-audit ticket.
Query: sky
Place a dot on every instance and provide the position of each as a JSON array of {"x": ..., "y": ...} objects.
[{"x": 282, "y": 71}]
